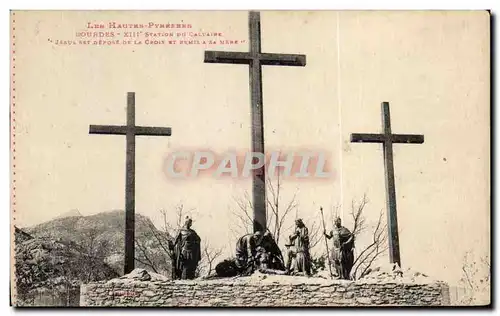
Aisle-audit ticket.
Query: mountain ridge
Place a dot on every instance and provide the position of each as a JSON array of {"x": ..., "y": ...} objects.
[{"x": 103, "y": 228}]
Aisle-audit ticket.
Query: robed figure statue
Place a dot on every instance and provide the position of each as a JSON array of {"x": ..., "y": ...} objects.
[
  {"x": 298, "y": 250},
  {"x": 246, "y": 252},
  {"x": 343, "y": 249},
  {"x": 186, "y": 252}
]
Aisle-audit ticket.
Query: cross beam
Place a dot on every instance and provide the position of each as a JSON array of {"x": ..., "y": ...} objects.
[
  {"x": 387, "y": 139},
  {"x": 130, "y": 131},
  {"x": 256, "y": 59}
]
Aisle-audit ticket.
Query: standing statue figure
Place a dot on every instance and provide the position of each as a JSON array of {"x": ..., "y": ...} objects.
[
  {"x": 187, "y": 252},
  {"x": 246, "y": 252},
  {"x": 298, "y": 250},
  {"x": 343, "y": 249}
]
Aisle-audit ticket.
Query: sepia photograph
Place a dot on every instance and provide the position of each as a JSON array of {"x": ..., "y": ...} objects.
[{"x": 252, "y": 158}]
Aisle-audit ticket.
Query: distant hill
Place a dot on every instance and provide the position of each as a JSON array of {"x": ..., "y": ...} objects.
[
  {"x": 73, "y": 212},
  {"x": 72, "y": 226},
  {"x": 107, "y": 231}
]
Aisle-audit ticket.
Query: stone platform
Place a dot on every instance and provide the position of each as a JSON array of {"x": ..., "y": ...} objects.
[{"x": 264, "y": 290}]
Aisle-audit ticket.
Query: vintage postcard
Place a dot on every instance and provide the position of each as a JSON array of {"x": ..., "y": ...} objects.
[{"x": 250, "y": 158}]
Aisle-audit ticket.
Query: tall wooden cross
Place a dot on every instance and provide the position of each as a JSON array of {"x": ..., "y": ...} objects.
[
  {"x": 387, "y": 139},
  {"x": 130, "y": 131},
  {"x": 256, "y": 59}
]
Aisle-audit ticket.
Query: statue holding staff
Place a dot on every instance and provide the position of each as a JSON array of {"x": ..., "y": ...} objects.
[{"x": 343, "y": 249}]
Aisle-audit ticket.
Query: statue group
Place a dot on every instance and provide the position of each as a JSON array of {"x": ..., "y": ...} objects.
[{"x": 259, "y": 251}]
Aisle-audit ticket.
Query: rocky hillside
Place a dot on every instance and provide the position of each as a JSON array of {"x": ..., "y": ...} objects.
[
  {"x": 44, "y": 263},
  {"x": 73, "y": 249},
  {"x": 104, "y": 232},
  {"x": 76, "y": 227}
]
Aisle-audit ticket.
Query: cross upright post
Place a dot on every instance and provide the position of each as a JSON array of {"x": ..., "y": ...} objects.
[
  {"x": 387, "y": 139},
  {"x": 130, "y": 131},
  {"x": 255, "y": 59}
]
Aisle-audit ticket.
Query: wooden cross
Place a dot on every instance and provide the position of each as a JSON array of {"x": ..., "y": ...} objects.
[
  {"x": 130, "y": 131},
  {"x": 387, "y": 139},
  {"x": 256, "y": 59}
]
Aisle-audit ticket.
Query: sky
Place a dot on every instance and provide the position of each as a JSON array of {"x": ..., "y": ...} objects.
[{"x": 433, "y": 68}]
